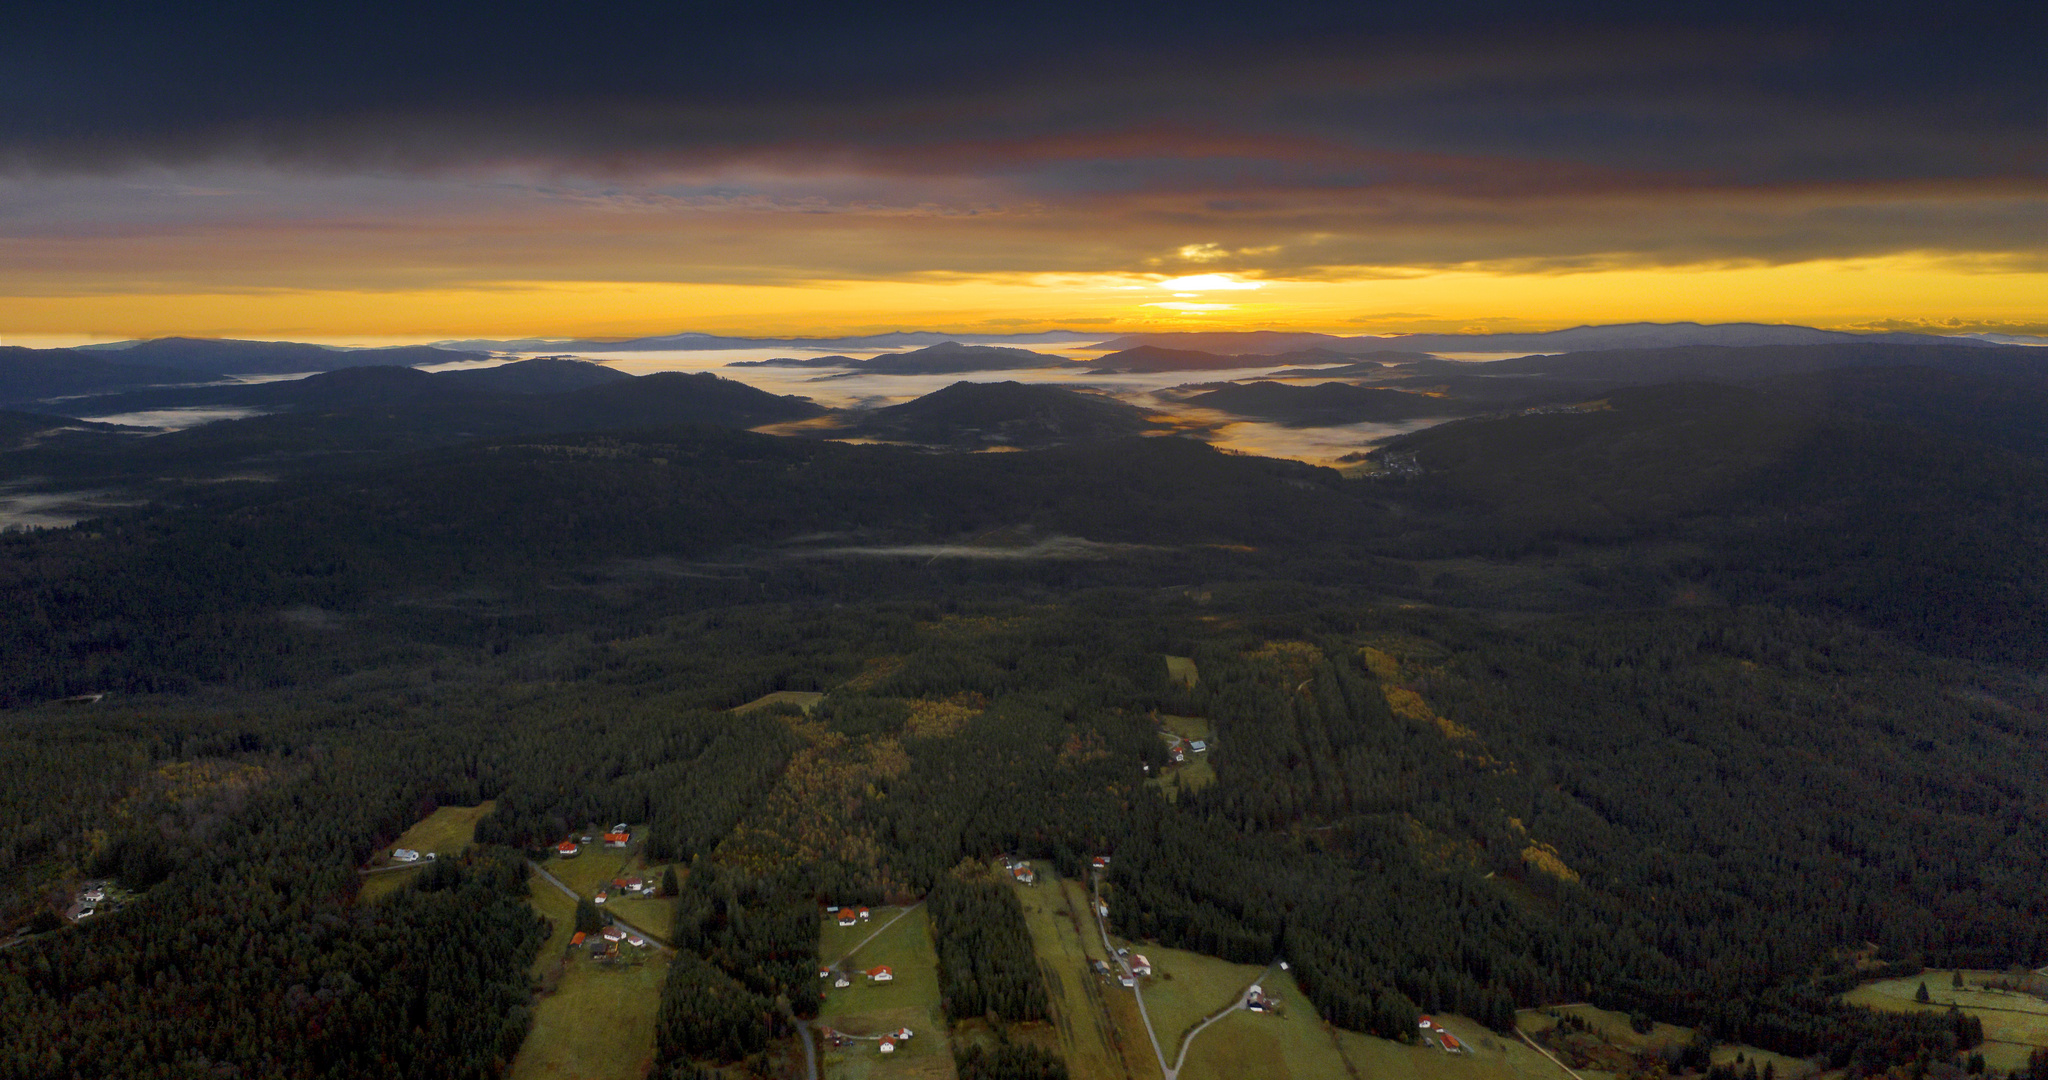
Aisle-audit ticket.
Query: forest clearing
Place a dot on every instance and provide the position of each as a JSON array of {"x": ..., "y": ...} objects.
[
  {"x": 909, "y": 998},
  {"x": 2015, "y": 1023},
  {"x": 591, "y": 1020},
  {"x": 445, "y": 832}
]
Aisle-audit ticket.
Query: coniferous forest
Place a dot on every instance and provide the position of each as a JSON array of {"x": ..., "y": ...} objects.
[{"x": 1566, "y": 708}]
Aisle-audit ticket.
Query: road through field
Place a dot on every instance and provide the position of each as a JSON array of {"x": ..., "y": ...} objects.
[
  {"x": 574, "y": 895},
  {"x": 1170, "y": 1072}
]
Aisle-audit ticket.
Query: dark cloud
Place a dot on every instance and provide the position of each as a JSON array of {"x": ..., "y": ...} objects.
[{"x": 1721, "y": 92}]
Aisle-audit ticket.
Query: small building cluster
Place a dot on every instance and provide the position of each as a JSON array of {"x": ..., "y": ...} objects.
[
  {"x": 885, "y": 1043},
  {"x": 849, "y": 915},
  {"x": 1020, "y": 870},
  {"x": 619, "y": 837},
  {"x": 91, "y": 898},
  {"x": 1257, "y": 1000},
  {"x": 408, "y": 855}
]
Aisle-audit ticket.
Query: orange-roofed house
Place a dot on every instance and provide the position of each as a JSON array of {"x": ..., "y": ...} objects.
[
  {"x": 880, "y": 974},
  {"x": 617, "y": 839},
  {"x": 847, "y": 917},
  {"x": 1451, "y": 1043},
  {"x": 566, "y": 848},
  {"x": 578, "y": 939}
]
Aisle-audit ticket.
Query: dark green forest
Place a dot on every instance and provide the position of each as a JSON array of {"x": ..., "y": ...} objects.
[{"x": 1683, "y": 704}]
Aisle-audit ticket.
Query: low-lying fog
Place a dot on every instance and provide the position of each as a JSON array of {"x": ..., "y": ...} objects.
[{"x": 839, "y": 388}]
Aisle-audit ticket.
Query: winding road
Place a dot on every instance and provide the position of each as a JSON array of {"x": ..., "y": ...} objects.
[{"x": 1170, "y": 1072}]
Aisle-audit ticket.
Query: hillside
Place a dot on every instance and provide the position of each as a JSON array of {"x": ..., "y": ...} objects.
[
  {"x": 27, "y": 375},
  {"x": 1002, "y": 414},
  {"x": 944, "y": 358}
]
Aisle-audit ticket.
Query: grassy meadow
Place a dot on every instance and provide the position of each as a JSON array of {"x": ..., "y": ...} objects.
[
  {"x": 2014, "y": 1023},
  {"x": 1063, "y": 939},
  {"x": 1292, "y": 1044},
  {"x": 1181, "y": 669},
  {"x": 593, "y": 1021},
  {"x": 446, "y": 832},
  {"x": 1185, "y": 988},
  {"x": 911, "y": 999},
  {"x": 598, "y": 1024}
]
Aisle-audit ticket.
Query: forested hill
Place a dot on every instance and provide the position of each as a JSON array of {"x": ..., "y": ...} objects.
[
  {"x": 1002, "y": 414},
  {"x": 1694, "y": 701}
]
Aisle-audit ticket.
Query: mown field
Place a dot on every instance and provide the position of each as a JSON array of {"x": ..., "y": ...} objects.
[
  {"x": 1064, "y": 941},
  {"x": 1491, "y": 1057},
  {"x": 445, "y": 832},
  {"x": 911, "y": 999},
  {"x": 2014, "y": 1023},
  {"x": 1186, "y": 988},
  {"x": 596, "y": 1021},
  {"x": 1181, "y": 669},
  {"x": 1291, "y": 1044}
]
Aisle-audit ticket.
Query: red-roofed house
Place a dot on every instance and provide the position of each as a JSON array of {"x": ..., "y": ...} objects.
[
  {"x": 1452, "y": 1044},
  {"x": 578, "y": 939},
  {"x": 847, "y": 917},
  {"x": 566, "y": 848},
  {"x": 880, "y": 974},
  {"x": 617, "y": 839}
]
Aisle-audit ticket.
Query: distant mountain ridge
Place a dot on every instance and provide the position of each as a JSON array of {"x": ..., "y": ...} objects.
[
  {"x": 1575, "y": 339},
  {"x": 695, "y": 342},
  {"x": 945, "y": 358}
]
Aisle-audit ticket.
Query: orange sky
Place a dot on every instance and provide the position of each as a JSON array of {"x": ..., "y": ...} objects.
[{"x": 1896, "y": 292}]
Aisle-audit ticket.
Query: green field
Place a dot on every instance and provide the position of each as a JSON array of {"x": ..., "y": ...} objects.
[
  {"x": 1181, "y": 669},
  {"x": 560, "y": 912},
  {"x": 1291, "y": 1044},
  {"x": 1187, "y": 727},
  {"x": 598, "y": 1024},
  {"x": 596, "y": 1021},
  {"x": 1063, "y": 938},
  {"x": 446, "y": 832},
  {"x": 802, "y": 699},
  {"x": 1492, "y": 1057},
  {"x": 1614, "y": 1027},
  {"x": 910, "y": 1000},
  {"x": 592, "y": 868},
  {"x": 2014, "y": 1023},
  {"x": 1186, "y": 987}
]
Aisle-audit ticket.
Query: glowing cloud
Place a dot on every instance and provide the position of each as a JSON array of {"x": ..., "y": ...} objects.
[{"x": 1195, "y": 283}]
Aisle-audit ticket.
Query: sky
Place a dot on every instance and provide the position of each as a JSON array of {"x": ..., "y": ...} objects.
[{"x": 375, "y": 172}]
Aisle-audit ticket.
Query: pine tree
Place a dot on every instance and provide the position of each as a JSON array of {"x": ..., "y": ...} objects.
[
  {"x": 1921, "y": 994},
  {"x": 589, "y": 920}
]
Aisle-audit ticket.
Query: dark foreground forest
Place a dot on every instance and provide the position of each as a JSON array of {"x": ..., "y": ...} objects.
[{"x": 1703, "y": 705}]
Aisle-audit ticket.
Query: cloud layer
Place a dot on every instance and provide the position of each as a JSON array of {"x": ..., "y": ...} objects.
[{"x": 365, "y": 148}]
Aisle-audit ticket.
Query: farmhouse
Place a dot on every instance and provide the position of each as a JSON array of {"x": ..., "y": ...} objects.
[
  {"x": 847, "y": 917},
  {"x": 1452, "y": 1044},
  {"x": 879, "y": 974},
  {"x": 1100, "y": 862},
  {"x": 566, "y": 849},
  {"x": 613, "y": 933},
  {"x": 1140, "y": 965},
  {"x": 863, "y": 914},
  {"x": 405, "y": 855},
  {"x": 1025, "y": 874},
  {"x": 888, "y": 1045},
  {"x": 617, "y": 839}
]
